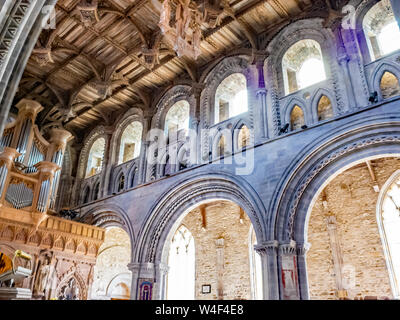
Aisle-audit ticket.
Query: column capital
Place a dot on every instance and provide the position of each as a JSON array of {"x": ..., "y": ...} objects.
[
  {"x": 267, "y": 248},
  {"x": 261, "y": 92},
  {"x": 142, "y": 269},
  {"x": 302, "y": 248},
  {"x": 162, "y": 268},
  {"x": 287, "y": 248}
]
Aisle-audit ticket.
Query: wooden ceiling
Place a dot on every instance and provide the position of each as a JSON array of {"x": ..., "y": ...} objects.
[{"x": 85, "y": 74}]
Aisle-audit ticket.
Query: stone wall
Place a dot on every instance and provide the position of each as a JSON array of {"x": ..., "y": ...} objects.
[
  {"x": 352, "y": 200},
  {"x": 223, "y": 221},
  {"x": 112, "y": 278}
]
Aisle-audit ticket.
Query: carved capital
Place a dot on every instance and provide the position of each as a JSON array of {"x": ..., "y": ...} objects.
[
  {"x": 302, "y": 248},
  {"x": 288, "y": 248},
  {"x": 269, "y": 248}
]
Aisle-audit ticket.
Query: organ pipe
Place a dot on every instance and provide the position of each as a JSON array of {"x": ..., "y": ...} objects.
[{"x": 29, "y": 164}]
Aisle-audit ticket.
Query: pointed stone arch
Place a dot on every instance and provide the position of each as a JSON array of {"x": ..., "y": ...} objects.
[
  {"x": 390, "y": 86},
  {"x": 315, "y": 105},
  {"x": 379, "y": 72}
]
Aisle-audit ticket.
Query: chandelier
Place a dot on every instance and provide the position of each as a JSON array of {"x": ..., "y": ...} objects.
[{"x": 181, "y": 21}]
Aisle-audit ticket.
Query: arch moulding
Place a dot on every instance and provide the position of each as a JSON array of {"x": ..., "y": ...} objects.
[
  {"x": 304, "y": 182},
  {"x": 183, "y": 197}
]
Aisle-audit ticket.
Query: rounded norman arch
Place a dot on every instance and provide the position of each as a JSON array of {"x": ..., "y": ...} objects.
[
  {"x": 134, "y": 114},
  {"x": 359, "y": 139},
  {"x": 171, "y": 207},
  {"x": 109, "y": 215},
  {"x": 311, "y": 174},
  {"x": 310, "y": 29},
  {"x": 386, "y": 249}
]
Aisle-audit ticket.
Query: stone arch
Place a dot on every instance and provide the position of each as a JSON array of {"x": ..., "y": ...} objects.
[
  {"x": 288, "y": 109},
  {"x": 225, "y": 134},
  {"x": 122, "y": 277},
  {"x": 236, "y": 131},
  {"x": 171, "y": 206},
  {"x": 312, "y": 29},
  {"x": 356, "y": 34},
  {"x": 318, "y": 165},
  {"x": 395, "y": 176},
  {"x": 362, "y": 9},
  {"x": 132, "y": 176},
  {"x": 97, "y": 133},
  {"x": 109, "y": 215},
  {"x": 133, "y": 114},
  {"x": 21, "y": 35},
  {"x": 73, "y": 274},
  {"x": 182, "y": 158},
  {"x": 173, "y": 95},
  {"x": 96, "y": 190},
  {"x": 120, "y": 182},
  {"x": 321, "y": 92},
  {"x": 225, "y": 68},
  {"x": 379, "y": 72},
  {"x": 86, "y": 194}
]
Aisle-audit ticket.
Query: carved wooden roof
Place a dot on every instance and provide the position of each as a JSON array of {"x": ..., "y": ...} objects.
[{"x": 86, "y": 73}]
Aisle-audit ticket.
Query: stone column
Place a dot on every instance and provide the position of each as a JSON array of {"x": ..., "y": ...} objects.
[
  {"x": 337, "y": 256},
  {"x": 195, "y": 137},
  {"x": 220, "y": 268},
  {"x": 261, "y": 95},
  {"x": 272, "y": 99},
  {"x": 302, "y": 249},
  {"x": 350, "y": 58},
  {"x": 269, "y": 262},
  {"x": 161, "y": 271},
  {"x": 148, "y": 280},
  {"x": 143, "y": 150},
  {"x": 396, "y": 10},
  {"x": 289, "y": 281},
  {"x": 107, "y": 166}
]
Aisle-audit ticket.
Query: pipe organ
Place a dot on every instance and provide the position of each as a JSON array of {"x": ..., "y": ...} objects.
[{"x": 30, "y": 165}]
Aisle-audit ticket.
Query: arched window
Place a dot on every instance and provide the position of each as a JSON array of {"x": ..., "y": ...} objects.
[
  {"x": 390, "y": 225},
  {"x": 381, "y": 30},
  {"x": 121, "y": 182},
  {"x": 296, "y": 118},
  {"x": 221, "y": 147},
  {"x": 177, "y": 119},
  {"x": 96, "y": 155},
  {"x": 390, "y": 86},
  {"x": 96, "y": 191},
  {"x": 181, "y": 261},
  {"x": 86, "y": 195},
  {"x": 255, "y": 267},
  {"x": 131, "y": 140},
  {"x": 243, "y": 137},
  {"x": 303, "y": 66},
  {"x": 231, "y": 97},
  {"x": 133, "y": 178},
  {"x": 325, "y": 110}
]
